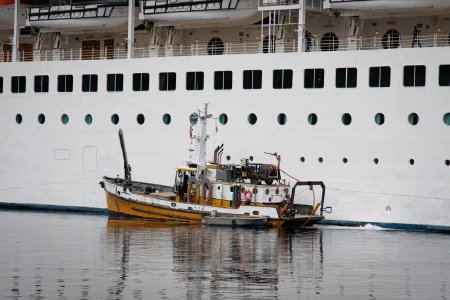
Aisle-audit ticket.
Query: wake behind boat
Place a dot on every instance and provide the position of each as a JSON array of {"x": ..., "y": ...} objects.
[{"x": 215, "y": 193}]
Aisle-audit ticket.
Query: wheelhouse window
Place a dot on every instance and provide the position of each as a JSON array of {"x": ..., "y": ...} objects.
[
  {"x": 141, "y": 82},
  {"x": 89, "y": 83},
  {"x": 414, "y": 75},
  {"x": 223, "y": 80},
  {"x": 167, "y": 81},
  {"x": 346, "y": 77},
  {"x": 252, "y": 79},
  {"x": 41, "y": 84},
  {"x": 379, "y": 76},
  {"x": 444, "y": 75},
  {"x": 65, "y": 83},
  {"x": 18, "y": 84},
  {"x": 194, "y": 81},
  {"x": 314, "y": 78},
  {"x": 114, "y": 82},
  {"x": 282, "y": 79}
]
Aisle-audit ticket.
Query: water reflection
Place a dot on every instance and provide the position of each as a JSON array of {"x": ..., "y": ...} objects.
[
  {"x": 218, "y": 262},
  {"x": 59, "y": 256}
]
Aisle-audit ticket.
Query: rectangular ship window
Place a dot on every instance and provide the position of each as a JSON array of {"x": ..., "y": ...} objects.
[
  {"x": 41, "y": 84},
  {"x": 89, "y": 83},
  {"x": 1, "y": 84},
  {"x": 252, "y": 79},
  {"x": 194, "y": 81},
  {"x": 114, "y": 82},
  {"x": 282, "y": 79},
  {"x": 65, "y": 83},
  {"x": 314, "y": 78},
  {"x": 379, "y": 76},
  {"x": 346, "y": 77},
  {"x": 414, "y": 75},
  {"x": 18, "y": 84},
  {"x": 167, "y": 81},
  {"x": 141, "y": 82},
  {"x": 223, "y": 80},
  {"x": 444, "y": 75}
]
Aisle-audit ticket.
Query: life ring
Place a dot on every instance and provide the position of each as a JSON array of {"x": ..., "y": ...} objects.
[{"x": 248, "y": 196}]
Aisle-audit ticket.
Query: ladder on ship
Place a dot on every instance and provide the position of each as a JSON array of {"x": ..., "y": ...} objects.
[{"x": 278, "y": 19}]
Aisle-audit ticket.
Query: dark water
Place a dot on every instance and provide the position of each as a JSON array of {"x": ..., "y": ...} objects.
[{"x": 64, "y": 256}]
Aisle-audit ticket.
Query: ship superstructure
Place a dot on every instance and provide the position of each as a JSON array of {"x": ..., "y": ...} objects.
[{"x": 356, "y": 91}]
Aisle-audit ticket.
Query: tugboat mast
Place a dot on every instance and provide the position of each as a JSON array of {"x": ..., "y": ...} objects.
[{"x": 201, "y": 140}]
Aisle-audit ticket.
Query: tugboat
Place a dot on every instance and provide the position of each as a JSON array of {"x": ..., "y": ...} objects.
[{"x": 214, "y": 193}]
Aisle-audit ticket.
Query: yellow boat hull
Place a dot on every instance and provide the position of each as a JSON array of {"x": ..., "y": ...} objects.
[{"x": 123, "y": 208}]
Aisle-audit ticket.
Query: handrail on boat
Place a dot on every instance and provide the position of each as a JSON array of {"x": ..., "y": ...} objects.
[{"x": 310, "y": 184}]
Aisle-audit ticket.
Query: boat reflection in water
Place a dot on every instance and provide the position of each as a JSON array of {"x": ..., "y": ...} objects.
[
  {"x": 214, "y": 261},
  {"x": 64, "y": 256}
]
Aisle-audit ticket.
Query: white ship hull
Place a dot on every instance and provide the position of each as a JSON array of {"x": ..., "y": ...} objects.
[{"x": 61, "y": 165}]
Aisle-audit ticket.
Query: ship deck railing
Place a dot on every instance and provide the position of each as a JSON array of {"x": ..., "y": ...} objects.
[{"x": 230, "y": 48}]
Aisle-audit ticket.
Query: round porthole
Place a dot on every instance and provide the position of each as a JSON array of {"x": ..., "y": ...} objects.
[
  {"x": 375, "y": 161},
  {"x": 65, "y": 119},
  {"x": 251, "y": 158},
  {"x": 312, "y": 119},
  {"x": 411, "y": 162},
  {"x": 223, "y": 119},
  {"x": 41, "y": 118},
  {"x": 329, "y": 42},
  {"x": 228, "y": 157},
  {"x": 193, "y": 118},
  {"x": 252, "y": 119},
  {"x": 167, "y": 119},
  {"x": 320, "y": 159},
  {"x": 346, "y": 119},
  {"x": 140, "y": 119},
  {"x": 88, "y": 119},
  {"x": 379, "y": 119},
  {"x": 391, "y": 39},
  {"x": 231, "y": 188},
  {"x": 345, "y": 160},
  {"x": 215, "y": 46},
  {"x": 447, "y": 162},
  {"x": 266, "y": 191},
  {"x": 115, "y": 119},
  {"x": 413, "y": 119},
  {"x": 302, "y": 159},
  {"x": 282, "y": 119},
  {"x": 447, "y": 118},
  {"x": 19, "y": 118}
]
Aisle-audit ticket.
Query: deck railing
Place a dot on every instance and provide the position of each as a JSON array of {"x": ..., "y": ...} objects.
[{"x": 230, "y": 48}]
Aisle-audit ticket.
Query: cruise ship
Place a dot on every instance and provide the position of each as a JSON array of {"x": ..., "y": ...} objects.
[{"x": 353, "y": 93}]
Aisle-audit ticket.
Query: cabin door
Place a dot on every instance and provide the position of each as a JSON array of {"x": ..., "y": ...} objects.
[
  {"x": 90, "y": 49},
  {"x": 26, "y": 52},
  {"x": 109, "y": 48},
  {"x": 7, "y": 53}
]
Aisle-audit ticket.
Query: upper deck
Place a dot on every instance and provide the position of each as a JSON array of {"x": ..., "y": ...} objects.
[{"x": 234, "y": 47}]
